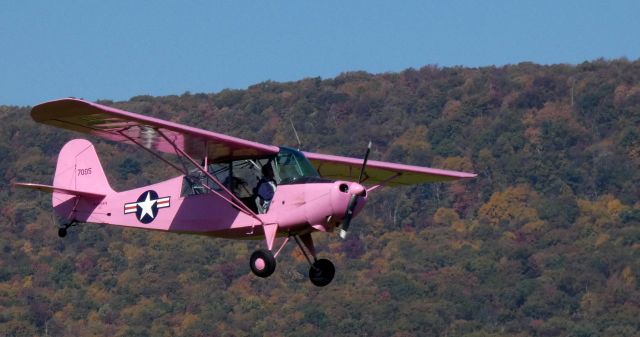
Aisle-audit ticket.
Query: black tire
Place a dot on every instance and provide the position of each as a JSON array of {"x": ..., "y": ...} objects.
[
  {"x": 267, "y": 259},
  {"x": 62, "y": 232},
  {"x": 322, "y": 272}
]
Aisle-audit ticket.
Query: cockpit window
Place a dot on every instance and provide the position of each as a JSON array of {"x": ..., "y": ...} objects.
[
  {"x": 239, "y": 177},
  {"x": 291, "y": 164},
  {"x": 242, "y": 176}
]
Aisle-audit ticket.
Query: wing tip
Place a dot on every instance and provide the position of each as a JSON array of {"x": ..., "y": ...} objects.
[
  {"x": 44, "y": 111},
  {"x": 467, "y": 175}
]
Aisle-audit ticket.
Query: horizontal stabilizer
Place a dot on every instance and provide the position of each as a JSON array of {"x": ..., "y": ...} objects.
[{"x": 53, "y": 189}]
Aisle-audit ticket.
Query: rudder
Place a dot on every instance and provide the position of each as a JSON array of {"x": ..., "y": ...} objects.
[{"x": 79, "y": 168}]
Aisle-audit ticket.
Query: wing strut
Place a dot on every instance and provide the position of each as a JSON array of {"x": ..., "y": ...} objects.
[
  {"x": 153, "y": 153},
  {"x": 384, "y": 182},
  {"x": 233, "y": 200},
  {"x": 181, "y": 154}
]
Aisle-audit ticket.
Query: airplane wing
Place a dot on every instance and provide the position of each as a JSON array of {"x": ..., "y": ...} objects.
[
  {"x": 152, "y": 133},
  {"x": 378, "y": 172}
]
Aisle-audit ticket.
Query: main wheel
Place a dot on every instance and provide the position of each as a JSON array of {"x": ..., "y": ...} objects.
[
  {"x": 322, "y": 272},
  {"x": 62, "y": 232},
  {"x": 262, "y": 263}
]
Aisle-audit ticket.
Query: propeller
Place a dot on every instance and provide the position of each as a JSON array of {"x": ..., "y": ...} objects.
[
  {"x": 364, "y": 163},
  {"x": 353, "y": 202}
]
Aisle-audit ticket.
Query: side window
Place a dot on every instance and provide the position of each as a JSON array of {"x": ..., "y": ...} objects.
[
  {"x": 195, "y": 183},
  {"x": 240, "y": 177},
  {"x": 245, "y": 178},
  {"x": 191, "y": 186}
]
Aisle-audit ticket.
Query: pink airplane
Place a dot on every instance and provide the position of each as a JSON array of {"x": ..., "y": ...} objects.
[{"x": 217, "y": 192}]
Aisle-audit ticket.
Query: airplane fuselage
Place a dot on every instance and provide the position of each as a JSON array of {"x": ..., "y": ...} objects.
[{"x": 296, "y": 208}]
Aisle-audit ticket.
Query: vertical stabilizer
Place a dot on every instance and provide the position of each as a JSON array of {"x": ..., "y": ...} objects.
[{"x": 79, "y": 169}]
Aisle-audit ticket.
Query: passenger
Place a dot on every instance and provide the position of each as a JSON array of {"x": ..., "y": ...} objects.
[{"x": 266, "y": 187}]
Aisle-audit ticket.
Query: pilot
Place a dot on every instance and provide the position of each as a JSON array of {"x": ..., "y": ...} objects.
[{"x": 266, "y": 187}]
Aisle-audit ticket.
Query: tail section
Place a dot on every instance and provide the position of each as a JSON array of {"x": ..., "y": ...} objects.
[
  {"x": 79, "y": 169},
  {"x": 79, "y": 184}
]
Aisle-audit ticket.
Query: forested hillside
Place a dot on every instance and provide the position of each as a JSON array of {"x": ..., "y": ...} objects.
[{"x": 544, "y": 242}]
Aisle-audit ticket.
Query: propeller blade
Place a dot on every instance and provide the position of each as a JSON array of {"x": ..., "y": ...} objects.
[
  {"x": 364, "y": 163},
  {"x": 354, "y": 198},
  {"x": 347, "y": 217}
]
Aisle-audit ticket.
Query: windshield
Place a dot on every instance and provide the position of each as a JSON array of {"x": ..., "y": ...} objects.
[{"x": 291, "y": 164}]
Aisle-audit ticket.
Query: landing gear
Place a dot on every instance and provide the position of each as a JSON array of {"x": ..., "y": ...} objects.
[
  {"x": 321, "y": 272},
  {"x": 62, "y": 231},
  {"x": 262, "y": 263}
]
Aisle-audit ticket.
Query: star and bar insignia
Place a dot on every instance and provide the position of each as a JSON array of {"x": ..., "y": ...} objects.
[{"x": 146, "y": 208}]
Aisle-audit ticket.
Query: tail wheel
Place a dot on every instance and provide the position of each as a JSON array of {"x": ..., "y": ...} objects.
[
  {"x": 322, "y": 272},
  {"x": 62, "y": 231},
  {"x": 262, "y": 263}
]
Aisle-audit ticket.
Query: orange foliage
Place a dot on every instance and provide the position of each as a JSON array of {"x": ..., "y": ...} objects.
[{"x": 510, "y": 208}]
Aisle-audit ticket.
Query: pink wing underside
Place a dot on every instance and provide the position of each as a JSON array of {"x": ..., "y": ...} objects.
[
  {"x": 152, "y": 133},
  {"x": 377, "y": 172}
]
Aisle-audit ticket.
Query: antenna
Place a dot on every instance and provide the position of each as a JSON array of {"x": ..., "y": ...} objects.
[{"x": 296, "y": 133}]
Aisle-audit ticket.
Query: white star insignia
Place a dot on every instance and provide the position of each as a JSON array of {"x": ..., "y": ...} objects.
[
  {"x": 148, "y": 206},
  {"x": 145, "y": 207}
]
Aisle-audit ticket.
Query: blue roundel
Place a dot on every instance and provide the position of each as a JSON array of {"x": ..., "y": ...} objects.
[{"x": 147, "y": 209}]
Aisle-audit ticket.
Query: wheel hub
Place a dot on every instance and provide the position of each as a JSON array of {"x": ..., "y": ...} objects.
[{"x": 260, "y": 264}]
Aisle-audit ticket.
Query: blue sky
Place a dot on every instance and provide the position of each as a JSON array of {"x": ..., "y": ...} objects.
[{"x": 120, "y": 49}]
